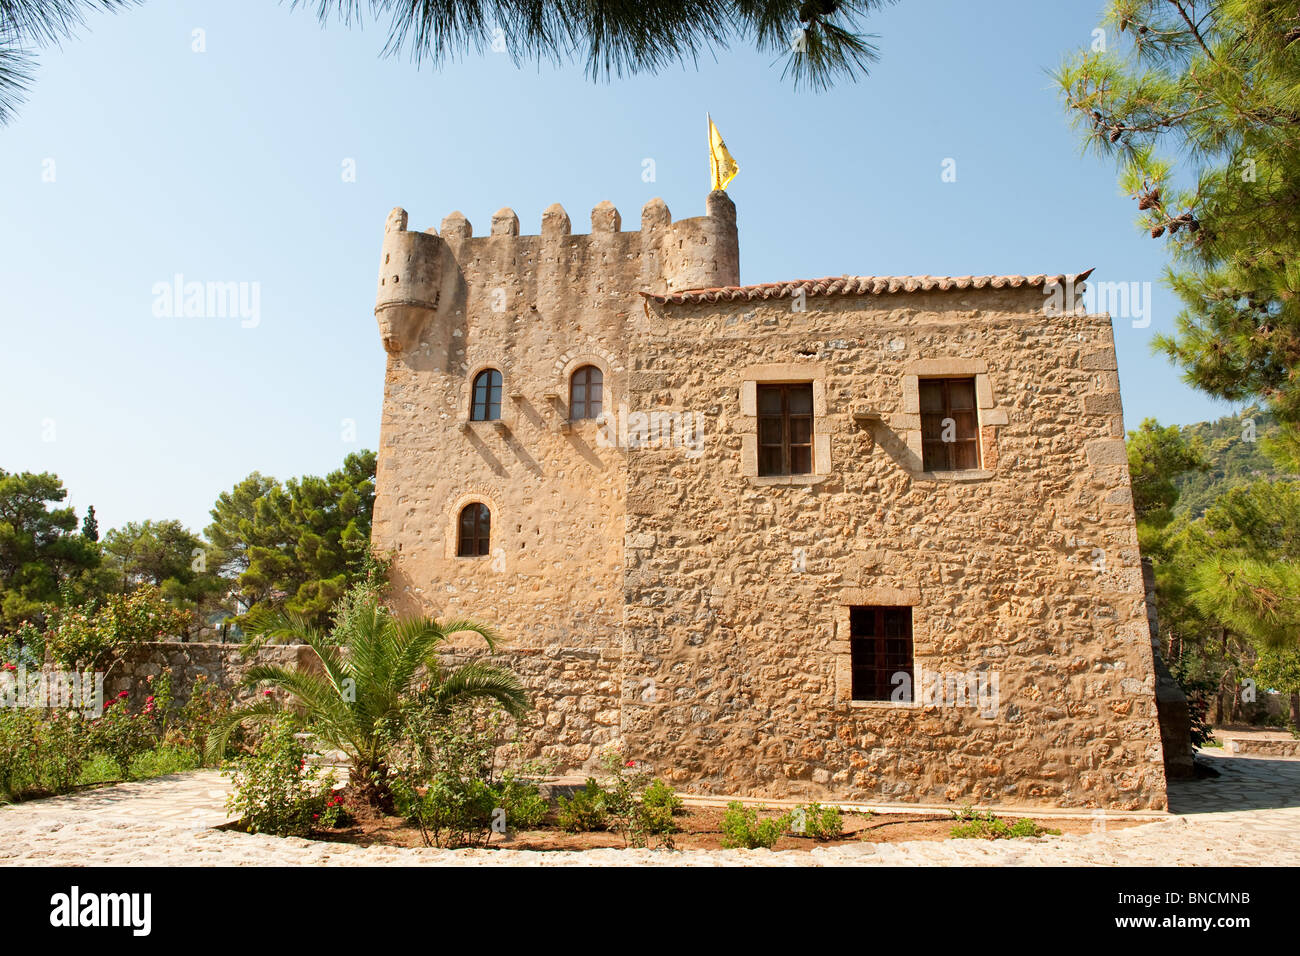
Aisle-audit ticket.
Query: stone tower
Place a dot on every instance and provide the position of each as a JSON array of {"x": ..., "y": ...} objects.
[{"x": 656, "y": 584}]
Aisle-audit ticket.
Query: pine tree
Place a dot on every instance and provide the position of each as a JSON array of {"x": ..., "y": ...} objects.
[
  {"x": 820, "y": 40},
  {"x": 1200, "y": 107},
  {"x": 90, "y": 525}
]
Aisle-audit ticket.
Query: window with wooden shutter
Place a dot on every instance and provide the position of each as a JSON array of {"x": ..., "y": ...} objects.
[
  {"x": 880, "y": 642},
  {"x": 949, "y": 424},
  {"x": 785, "y": 429}
]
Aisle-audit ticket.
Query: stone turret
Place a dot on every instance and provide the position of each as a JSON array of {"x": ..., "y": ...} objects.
[
  {"x": 699, "y": 253},
  {"x": 410, "y": 282}
]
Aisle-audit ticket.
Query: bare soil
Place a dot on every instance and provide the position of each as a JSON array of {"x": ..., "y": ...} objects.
[{"x": 701, "y": 829}]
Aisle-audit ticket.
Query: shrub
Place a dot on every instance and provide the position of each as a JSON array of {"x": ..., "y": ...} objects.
[
  {"x": 41, "y": 753},
  {"x": 194, "y": 723},
  {"x": 522, "y": 801},
  {"x": 24, "y": 645},
  {"x": 585, "y": 811},
  {"x": 446, "y": 777},
  {"x": 121, "y": 735},
  {"x": 453, "y": 812},
  {"x": 817, "y": 822},
  {"x": 89, "y": 634},
  {"x": 333, "y": 812},
  {"x": 48, "y": 751},
  {"x": 741, "y": 828},
  {"x": 16, "y": 744},
  {"x": 660, "y": 796},
  {"x": 972, "y": 824},
  {"x": 625, "y": 801},
  {"x": 273, "y": 786}
]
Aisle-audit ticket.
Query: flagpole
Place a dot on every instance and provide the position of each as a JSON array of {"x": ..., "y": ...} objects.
[{"x": 708, "y": 133}]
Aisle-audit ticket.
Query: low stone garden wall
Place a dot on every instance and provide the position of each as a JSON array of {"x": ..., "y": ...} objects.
[
  {"x": 224, "y": 666},
  {"x": 574, "y": 691}
]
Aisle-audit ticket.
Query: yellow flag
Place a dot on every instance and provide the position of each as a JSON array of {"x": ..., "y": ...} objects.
[{"x": 722, "y": 167}]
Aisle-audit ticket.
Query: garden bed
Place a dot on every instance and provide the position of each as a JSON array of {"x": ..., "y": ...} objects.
[{"x": 700, "y": 829}]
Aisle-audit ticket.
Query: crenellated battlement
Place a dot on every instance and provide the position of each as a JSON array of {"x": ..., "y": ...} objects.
[{"x": 451, "y": 272}]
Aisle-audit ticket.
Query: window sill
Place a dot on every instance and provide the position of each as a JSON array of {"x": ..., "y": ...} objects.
[
  {"x": 886, "y": 704},
  {"x": 967, "y": 474},
  {"x": 762, "y": 480}
]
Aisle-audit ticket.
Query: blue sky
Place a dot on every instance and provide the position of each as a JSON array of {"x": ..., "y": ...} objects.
[{"x": 227, "y": 165}]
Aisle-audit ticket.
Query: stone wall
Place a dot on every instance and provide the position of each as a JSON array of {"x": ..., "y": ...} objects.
[
  {"x": 574, "y": 693},
  {"x": 1029, "y": 569},
  {"x": 223, "y": 665},
  {"x": 574, "y": 690}
]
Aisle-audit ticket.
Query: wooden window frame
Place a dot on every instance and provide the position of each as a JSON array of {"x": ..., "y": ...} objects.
[
  {"x": 479, "y": 542},
  {"x": 873, "y": 682},
  {"x": 487, "y": 409},
  {"x": 785, "y": 417},
  {"x": 588, "y": 408},
  {"x": 936, "y": 454}
]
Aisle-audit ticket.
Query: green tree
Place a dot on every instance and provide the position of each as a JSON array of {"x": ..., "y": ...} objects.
[
  {"x": 1238, "y": 450},
  {"x": 243, "y": 519},
  {"x": 1199, "y": 103},
  {"x": 302, "y": 543},
  {"x": 41, "y": 548},
  {"x": 164, "y": 554},
  {"x": 90, "y": 525},
  {"x": 820, "y": 40},
  {"x": 1156, "y": 457},
  {"x": 1247, "y": 552},
  {"x": 1279, "y": 670},
  {"x": 383, "y": 671}
]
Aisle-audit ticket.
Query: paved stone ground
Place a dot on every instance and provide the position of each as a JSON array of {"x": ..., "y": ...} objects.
[{"x": 1247, "y": 817}]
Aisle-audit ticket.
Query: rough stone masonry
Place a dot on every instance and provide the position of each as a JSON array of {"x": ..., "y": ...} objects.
[{"x": 700, "y": 571}]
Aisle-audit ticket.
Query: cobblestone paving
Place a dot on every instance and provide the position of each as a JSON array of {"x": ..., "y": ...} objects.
[{"x": 1248, "y": 816}]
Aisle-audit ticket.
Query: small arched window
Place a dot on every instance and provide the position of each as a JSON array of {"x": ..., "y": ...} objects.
[
  {"x": 486, "y": 401},
  {"x": 474, "y": 537},
  {"x": 586, "y": 390}
]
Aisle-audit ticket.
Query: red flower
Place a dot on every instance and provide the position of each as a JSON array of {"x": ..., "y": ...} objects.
[
  {"x": 266, "y": 693},
  {"x": 123, "y": 695},
  {"x": 8, "y": 667},
  {"x": 631, "y": 763}
]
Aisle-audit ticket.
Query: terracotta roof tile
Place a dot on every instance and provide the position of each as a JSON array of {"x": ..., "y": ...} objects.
[{"x": 861, "y": 285}]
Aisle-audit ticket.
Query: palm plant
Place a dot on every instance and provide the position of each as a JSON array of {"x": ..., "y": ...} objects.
[{"x": 368, "y": 685}]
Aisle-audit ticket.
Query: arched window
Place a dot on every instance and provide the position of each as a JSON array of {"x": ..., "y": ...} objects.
[
  {"x": 486, "y": 406},
  {"x": 585, "y": 393},
  {"x": 475, "y": 534}
]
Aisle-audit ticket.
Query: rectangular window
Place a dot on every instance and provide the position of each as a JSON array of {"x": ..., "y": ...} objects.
[
  {"x": 785, "y": 424},
  {"x": 949, "y": 424},
  {"x": 880, "y": 640}
]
